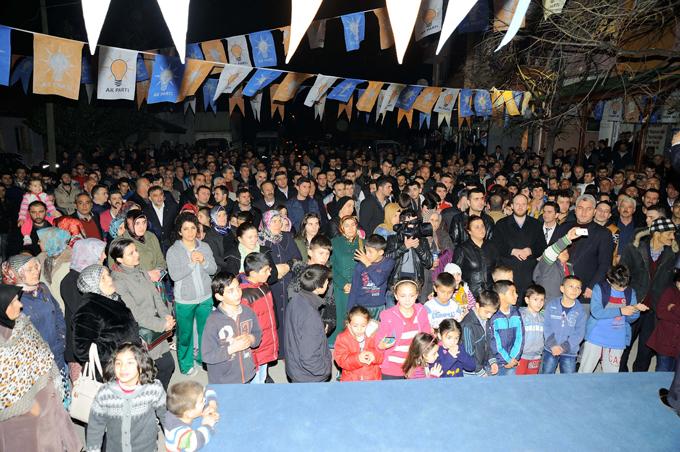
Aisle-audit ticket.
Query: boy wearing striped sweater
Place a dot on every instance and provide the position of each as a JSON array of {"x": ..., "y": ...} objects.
[{"x": 187, "y": 401}]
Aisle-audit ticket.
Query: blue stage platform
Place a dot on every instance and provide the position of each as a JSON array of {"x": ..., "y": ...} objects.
[{"x": 596, "y": 412}]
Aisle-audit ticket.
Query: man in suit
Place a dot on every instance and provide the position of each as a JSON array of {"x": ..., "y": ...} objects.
[
  {"x": 281, "y": 180},
  {"x": 373, "y": 207},
  {"x": 549, "y": 220},
  {"x": 90, "y": 220},
  {"x": 161, "y": 214},
  {"x": 590, "y": 255}
]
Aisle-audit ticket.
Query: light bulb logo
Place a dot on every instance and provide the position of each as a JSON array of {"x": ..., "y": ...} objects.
[
  {"x": 118, "y": 69},
  {"x": 232, "y": 78},
  {"x": 429, "y": 16},
  {"x": 447, "y": 100},
  {"x": 263, "y": 48},
  {"x": 166, "y": 77},
  {"x": 59, "y": 64},
  {"x": 236, "y": 51}
]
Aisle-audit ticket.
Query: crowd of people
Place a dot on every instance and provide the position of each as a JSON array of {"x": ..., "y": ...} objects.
[{"x": 394, "y": 264}]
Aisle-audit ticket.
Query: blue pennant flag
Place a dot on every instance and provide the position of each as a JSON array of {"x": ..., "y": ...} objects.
[
  {"x": 22, "y": 71},
  {"x": 261, "y": 79},
  {"x": 355, "y": 30},
  {"x": 478, "y": 19},
  {"x": 482, "y": 102},
  {"x": 264, "y": 50},
  {"x": 142, "y": 73},
  {"x": 209, "y": 88},
  {"x": 408, "y": 97},
  {"x": 518, "y": 96},
  {"x": 5, "y": 55},
  {"x": 166, "y": 79},
  {"x": 599, "y": 110},
  {"x": 344, "y": 90},
  {"x": 86, "y": 71},
  {"x": 464, "y": 104},
  {"x": 194, "y": 51}
]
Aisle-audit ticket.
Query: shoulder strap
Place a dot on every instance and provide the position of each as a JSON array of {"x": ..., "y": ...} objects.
[{"x": 93, "y": 365}]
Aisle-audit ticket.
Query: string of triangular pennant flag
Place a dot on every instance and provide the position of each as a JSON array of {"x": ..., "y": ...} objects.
[{"x": 60, "y": 68}]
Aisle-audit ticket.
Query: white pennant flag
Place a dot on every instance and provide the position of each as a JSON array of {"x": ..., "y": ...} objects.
[
  {"x": 190, "y": 104},
  {"x": 403, "y": 15},
  {"x": 320, "y": 107},
  {"x": 256, "y": 104},
  {"x": 176, "y": 15},
  {"x": 454, "y": 16},
  {"x": 446, "y": 101},
  {"x": 89, "y": 89},
  {"x": 320, "y": 87},
  {"x": 379, "y": 102},
  {"x": 94, "y": 14},
  {"x": 441, "y": 117},
  {"x": 117, "y": 73},
  {"x": 391, "y": 97},
  {"x": 551, "y": 7},
  {"x": 429, "y": 19},
  {"x": 316, "y": 34},
  {"x": 302, "y": 14},
  {"x": 515, "y": 23},
  {"x": 230, "y": 78},
  {"x": 237, "y": 51}
]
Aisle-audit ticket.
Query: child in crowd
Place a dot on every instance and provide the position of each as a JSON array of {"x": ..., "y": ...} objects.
[
  {"x": 475, "y": 339},
  {"x": 204, "y": 216},
  {"x": 398, "y": 325},
  {"x": 502, "y": 273},
  {"x": 452, "y": 358},
  {"x": 186, "y": 402},
  {"x": 461, "y": 291},
  {"x": 308, "y": 358},
  {"x": 564, "y": 328},
  {"x": 356, "y": 353},
  {"x": 505, "y": 329},
  {"x": 442, "y": 305},
  {"x": 532, "y": 319},
  {"x": 665, "y": 340},
  {"x": 554, "y": 265},
  {"x": 131, "y": 383},
  {"x": 35, "y": 193},
  {"x": 613, "y": 308},
  {"x": 422, "y": 353},
  {"x": 230, "y": 332},
  {"x": 256, "y": 294},
  {"x": 369, "y": 281}
]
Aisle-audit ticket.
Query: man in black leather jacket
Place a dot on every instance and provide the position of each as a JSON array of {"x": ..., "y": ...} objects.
[
  {"x": 458, "y": 227},
  {"x": 412, "y": 255}
]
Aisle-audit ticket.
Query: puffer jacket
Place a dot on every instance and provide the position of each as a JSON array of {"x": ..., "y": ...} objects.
[
  {"x": 477, "y": 264},
  {"x": 421, "y": 255},
  {"x": 258, "y": 297},
  {"x": 458, "y": 227},
  {"x": 347, "y": 352},
  {"x": 192, "y": 280}
]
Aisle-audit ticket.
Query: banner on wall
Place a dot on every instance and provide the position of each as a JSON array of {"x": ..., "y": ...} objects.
[
  {"x": 446, "y": 100},
  {"x": 117, "y": 73},
  {"x": 237, "y": 48},
  {"x": 166, "y": 79},
  {"x": 264, "y": 50}
]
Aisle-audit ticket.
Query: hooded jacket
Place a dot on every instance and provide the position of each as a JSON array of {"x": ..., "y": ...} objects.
[
  {"x": 347, "y": 352},
  {"x": 258, "y": 297}
]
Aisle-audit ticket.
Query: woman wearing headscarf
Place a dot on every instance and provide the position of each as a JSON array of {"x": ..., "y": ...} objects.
[
  {"x": 344, "y": 207},
  {"x": 103, "y": 318},
  {"x": 38, "y": 303},
  {"x": 32, "y": 417},
  {"x": 284, "y": 251},
  {"x": 151, "y": 258},
  {"x": 386, "y": 229},
  {"x": 140, "y": 295},
  {"x": 54, "y": 259},
  {"x": 441, "y": 246},
  {"x": 342, "y": 262},
  {"x": 218, "y": 236}
]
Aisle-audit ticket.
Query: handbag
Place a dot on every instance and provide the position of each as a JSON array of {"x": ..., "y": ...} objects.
[
  {"x": 151, "y": 339},
  {"x": 86, "y": 387}
]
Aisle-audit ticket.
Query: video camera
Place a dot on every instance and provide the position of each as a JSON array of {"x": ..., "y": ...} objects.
[{"x": 414, "y": 228}]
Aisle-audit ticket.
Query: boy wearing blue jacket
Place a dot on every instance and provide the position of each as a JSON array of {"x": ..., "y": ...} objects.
[
  {"x": 369, "y": 281},
  {"x": 613, "y": 308},
  {"x": 564, "y": 328},
  {"x": 506, "y": 331}
]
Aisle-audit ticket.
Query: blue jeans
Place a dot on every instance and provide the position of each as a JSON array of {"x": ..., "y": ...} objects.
[
  {"x": 567, "y": 363},
  {"x": 260, "y": 375},
  {"x": 665, "y": 363},
  {"x": 503, "y": 371}
]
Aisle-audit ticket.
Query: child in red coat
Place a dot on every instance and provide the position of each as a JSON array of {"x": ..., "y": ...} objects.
[
  {"x": 357, "y": 353},
  {"x": 665, "y": 340}
]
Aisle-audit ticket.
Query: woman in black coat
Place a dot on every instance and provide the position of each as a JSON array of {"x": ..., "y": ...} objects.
[
  {"x": 246, "y": 243},
  {"x": 103, "y": 319},
  {"x": 218, "y": 236},
  {"x": 476, "y": 257}
]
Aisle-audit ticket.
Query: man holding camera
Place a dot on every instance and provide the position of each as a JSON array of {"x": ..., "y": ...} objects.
[{"x": 410, "y": 248}]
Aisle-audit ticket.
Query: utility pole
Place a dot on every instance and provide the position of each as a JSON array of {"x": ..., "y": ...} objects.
[{"x": 51, "y": 155}]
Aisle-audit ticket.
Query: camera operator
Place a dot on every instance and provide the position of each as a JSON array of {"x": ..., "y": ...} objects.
[{"x": 410, "y": 248}]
